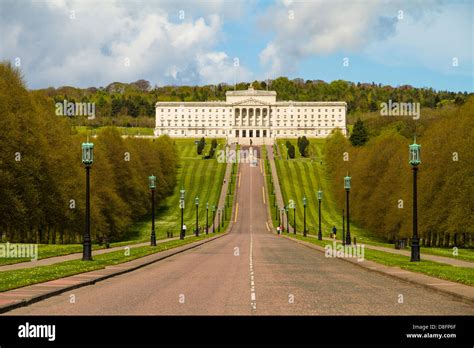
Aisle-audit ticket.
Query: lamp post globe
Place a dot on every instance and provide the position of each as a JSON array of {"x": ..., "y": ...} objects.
[
  {"x": 87, "y": 160},
  {"x": 320, "y": 198},
  {"x": 415, "y": 161},
  {"x": 347, "y": 186},
  {"x": 87, "y": 153},
  {"x": 152, "y": 182}
]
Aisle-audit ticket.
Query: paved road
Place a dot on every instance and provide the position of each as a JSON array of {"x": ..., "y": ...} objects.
[{"x": 251, "y": 271}]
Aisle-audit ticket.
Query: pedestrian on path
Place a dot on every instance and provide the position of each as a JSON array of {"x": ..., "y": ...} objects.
[{"x": 334, "y": 230}]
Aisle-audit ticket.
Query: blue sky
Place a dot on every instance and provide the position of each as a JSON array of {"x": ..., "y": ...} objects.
[{"x": 93, "y": 43}]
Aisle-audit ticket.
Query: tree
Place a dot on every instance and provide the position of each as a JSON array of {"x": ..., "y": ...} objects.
[
  {"x": 291, "y": 151},
  {"x": 303, "y": 144},
  {"x": 213, "y": 148},
  {"x": 200, "y": 146},
  {"x": 359, "y": 134}
]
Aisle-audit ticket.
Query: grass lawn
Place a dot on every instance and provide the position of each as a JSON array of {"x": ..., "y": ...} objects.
[
  {"x": 200, "y": 178},
  {"x": 123, "y": 130},
  {"x": 462, "y": 275},
  {"x": 28, "y": 276},
  {"x": 303, "y": 177},
  {"x": 52, "y": 250}
]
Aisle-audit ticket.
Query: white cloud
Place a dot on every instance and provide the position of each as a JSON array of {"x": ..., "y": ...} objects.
[
  {"x": 431, "y": 41},
  {"x": 94, "y": 47},
  {"x": 304, "y": 29},
  {"x": 215, "y": 67}
]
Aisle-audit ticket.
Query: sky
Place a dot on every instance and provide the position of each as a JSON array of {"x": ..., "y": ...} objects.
[{"x": 92, "y": 43}]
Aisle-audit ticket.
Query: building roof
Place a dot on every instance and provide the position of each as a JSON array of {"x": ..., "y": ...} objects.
[{"x": 250, "y": 92}]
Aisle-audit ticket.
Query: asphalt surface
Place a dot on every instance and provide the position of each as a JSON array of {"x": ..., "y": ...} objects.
[{"x": 250, "y": 271}]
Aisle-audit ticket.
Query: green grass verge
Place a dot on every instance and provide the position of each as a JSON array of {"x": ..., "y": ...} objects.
[
  {"x": 462, "y": 275},
  {"x": 23, "y": 277},
  {"x": 52, "y": 250}
]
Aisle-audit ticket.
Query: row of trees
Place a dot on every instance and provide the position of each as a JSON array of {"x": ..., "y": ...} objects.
[
  {"x": 42, "y": 190},
  {"x": 381, "y": 194}
]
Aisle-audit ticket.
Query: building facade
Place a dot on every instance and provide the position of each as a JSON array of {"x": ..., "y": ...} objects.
[{"x": 250, "y": 116}]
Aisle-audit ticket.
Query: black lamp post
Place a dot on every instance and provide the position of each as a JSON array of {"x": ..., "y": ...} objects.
[
  {"x": 222, "y": 216},
  {"x": 196, "y": 202},
  {"x": 415, "y": 160},
  {"x": 275, "y": 205},
  {"x": 279, "y": 216},
  {"x": 207, "y": 217},
  {"x": 213, "y": 218},
  {"x": 152, "y": 185},
  {"x": 287, "y": 220},
  {"x": 282, "y": 220},
  {"x": 181, "y": 206},
  {"x": 293, "y": 206},
  {"x": 320, "y": 198},
  {"x": 87, "y": 160},
  {"x": 343, "y": 229},
  {"x": 294, "y": 219},
  {"x": 304, "y": 216},
  {"x": 218, "y": 220},
  {"x": 347, "y": 186}
]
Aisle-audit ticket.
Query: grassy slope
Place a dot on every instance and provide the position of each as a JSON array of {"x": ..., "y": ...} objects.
[{"x": 202, "y": 178}]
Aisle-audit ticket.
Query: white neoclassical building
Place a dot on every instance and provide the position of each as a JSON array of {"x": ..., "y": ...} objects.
[{"x": 250, "y": 115}]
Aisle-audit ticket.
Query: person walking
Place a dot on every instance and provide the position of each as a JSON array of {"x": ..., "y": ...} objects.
[{"x": 334, "y": 230}]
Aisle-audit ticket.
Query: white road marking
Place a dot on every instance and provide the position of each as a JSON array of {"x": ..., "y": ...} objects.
[{"x": 253, "y": 296}]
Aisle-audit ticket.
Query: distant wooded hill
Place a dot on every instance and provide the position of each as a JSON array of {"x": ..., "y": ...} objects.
[{"x": 132, "y": 104}]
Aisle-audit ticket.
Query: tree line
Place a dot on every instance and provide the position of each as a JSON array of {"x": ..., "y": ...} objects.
[
  {"x": 132, "y": 104},
  {"x": 42, "y": 179},
  {"x": 382, "y": 179}
]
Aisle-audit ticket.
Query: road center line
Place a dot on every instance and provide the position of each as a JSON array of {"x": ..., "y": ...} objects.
[
  {"x": 253, "y": 296},
  {"x": 263, "y": 194}
]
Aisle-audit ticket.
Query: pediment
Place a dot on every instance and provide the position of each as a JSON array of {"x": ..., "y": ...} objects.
[{"x": 251, "y": 102}]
